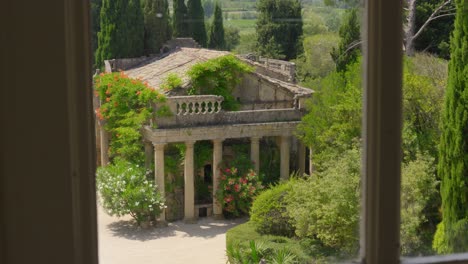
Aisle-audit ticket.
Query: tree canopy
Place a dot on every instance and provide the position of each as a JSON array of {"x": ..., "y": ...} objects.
[
  {"x": 279, "y": 28},
  {"x": 196, "y": 17},
  {"x": 452, "y": 233},
  {"x": 180, "y": 23},
  {"x": 217, "y": 38},
  {"x": 157, "y": 26},
  {"x": 121, "y": 30},
  {"x": 349, "y": 47}
]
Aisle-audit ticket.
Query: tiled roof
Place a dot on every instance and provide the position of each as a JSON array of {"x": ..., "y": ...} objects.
[{"x": 155, "y": 71}]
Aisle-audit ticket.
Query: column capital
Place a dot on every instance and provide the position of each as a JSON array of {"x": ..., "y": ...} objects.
[
  {"x": 190, "y": 143},
  {"x": 255, "y": 139},
  {"x": 218, "y": 140},
  {"x": 159, "y": 146}
]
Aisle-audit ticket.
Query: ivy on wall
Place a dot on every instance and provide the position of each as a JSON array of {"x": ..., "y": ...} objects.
[{"x": 218, "y": 76}]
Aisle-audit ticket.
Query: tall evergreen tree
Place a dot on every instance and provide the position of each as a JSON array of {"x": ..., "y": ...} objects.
[
  {"x": 279, "y": 28},
  {"x": 453, "y": 149},
  {"x": 180, "y": 23},
  {"x": 95, "y": 23},
  {"x": 217, "y": 39},
  {"x": 349, "y": 48},
  {"x": 157, "y": 26},
  {"x": 121, "y": 30},
  {"x": 196, "y": 17}
]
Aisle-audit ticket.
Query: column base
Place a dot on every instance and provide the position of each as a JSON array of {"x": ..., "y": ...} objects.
[
  {"x": 218, "y": 216},
  {"x": 190, "y": 220},
  {"x": 160, "y": 223}
]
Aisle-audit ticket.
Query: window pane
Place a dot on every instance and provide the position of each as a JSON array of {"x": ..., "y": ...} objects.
[
  {"x": 434, "y": 208},
  {"x": 233, "y": 128}
]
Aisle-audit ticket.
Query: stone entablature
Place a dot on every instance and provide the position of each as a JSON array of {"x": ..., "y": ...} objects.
[{"x": 219, "y": 132}]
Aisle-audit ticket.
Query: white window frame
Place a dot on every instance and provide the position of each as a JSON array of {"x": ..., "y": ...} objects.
[{"x": 380, "y": 225}]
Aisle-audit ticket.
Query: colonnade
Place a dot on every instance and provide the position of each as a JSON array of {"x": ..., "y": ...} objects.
[{"x": 189, "y": 170}]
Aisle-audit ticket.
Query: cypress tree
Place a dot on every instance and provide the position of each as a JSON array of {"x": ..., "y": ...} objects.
[
  {"x": 196, "y": 17},
  {"x": 180, "y": 19},
  {"x": 217, "y": 40},
  {"x": 279, "y": 28},
  {"x": 121, "y": 30},
  {"x": 157, "y": 26},
  {"x": 453, "y": 147},
  {"x": 348, "y": 49}
]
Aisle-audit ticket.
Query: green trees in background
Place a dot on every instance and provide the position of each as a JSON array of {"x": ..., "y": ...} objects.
[
  {"x": 349, "y": 47},
  {"x": 121, "y": 30},
  {"x": 231, "y": 37},
  {"x": 95, "y": 23},
  {"x": 435, "y": 37},
  {"x": 208, "y": 7},
  {"x": 180, "y": 23},
  {"x": 196, "y": 25},
  {"x": 157, "y": 25},
  {"x": 279, "y": 28},
  {"x": 452, "y": 233},
  {"x": 217, "y": 39}
]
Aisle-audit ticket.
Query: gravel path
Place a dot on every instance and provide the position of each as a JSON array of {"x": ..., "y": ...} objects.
[{"x": 121, "y": 242}]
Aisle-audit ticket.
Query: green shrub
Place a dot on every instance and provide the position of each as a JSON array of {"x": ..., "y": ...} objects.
[
  {"x": 126, "y": 188},
  {"x": 269, "y": 212},
  {"x": 245, "y": 245},
  {"x": 418, "y": 188},
  {"x": 327, "y": 207},
  {"x": 171, "y": 81}
]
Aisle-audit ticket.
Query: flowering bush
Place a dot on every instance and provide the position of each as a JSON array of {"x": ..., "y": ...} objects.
[
  {"x": 125, "y": 107},
  {"x": 236, "y": 192},
  {"x": 125, "y": 189}
]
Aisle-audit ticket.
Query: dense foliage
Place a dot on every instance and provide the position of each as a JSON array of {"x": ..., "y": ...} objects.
[
  {"x": 196, "y": 23},
  {"x": 232, "y": 38},
  {"x": 126, "y": 188},
  {"x": 237, "y": 190},
  {"x": 121, "y": 30},
  {"x": 180, "y": 21},
  {"x": 218, "y": 77},
  {"x": 349, "y": 47},
  {"x": 435, "y": 38},
  {"x": 279, "y": 28},
  {"x": 216, "y": 38},
  {"x": 269, "y": 213},
  {"x": 158, "y": 29},
  {"x": 125, "y": 107},
  {"x": 453, "y": 148}
]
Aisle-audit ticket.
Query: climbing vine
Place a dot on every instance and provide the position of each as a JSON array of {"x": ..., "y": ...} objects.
[
  {"x": 125, "y": 107},
  {"x": 218, "y": 76}
]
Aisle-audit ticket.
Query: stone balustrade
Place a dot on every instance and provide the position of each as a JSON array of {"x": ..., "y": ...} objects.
[{"x": 195, "y": 105}]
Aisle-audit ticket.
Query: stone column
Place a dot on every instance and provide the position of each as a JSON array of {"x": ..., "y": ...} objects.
[
  {"x": 159, "y": 175},
  {"x": 217, "y": 159},
  {"x": 284, "y": 150},
  {"x": 301, "y": 150},
  {"x": 148, "y": 155},
  {"x": 104, "y": 147},
  {"x": 189, "y": 188},
  {"x": 310, "y": 161},
  {"x": 255, "y": 152}
]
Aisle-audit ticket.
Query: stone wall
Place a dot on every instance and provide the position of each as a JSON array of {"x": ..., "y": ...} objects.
[
  {"x": 226, "y": 118},
  {"x": 124, "y": 64},
  {"x": 255, "y": 93}
]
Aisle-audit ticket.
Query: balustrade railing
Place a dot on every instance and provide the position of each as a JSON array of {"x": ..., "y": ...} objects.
[{"x": 195, "y": 105}]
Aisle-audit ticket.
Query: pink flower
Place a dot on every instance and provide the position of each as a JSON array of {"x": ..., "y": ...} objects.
[
  {"x": 227, "y": 170},
  {"x": 237, "y": 187}
]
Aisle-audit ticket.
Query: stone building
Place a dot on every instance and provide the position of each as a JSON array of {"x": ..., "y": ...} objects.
[{"x": 271, "y": 107}]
